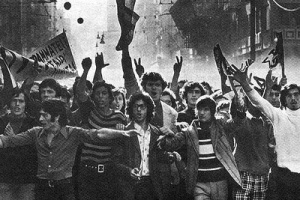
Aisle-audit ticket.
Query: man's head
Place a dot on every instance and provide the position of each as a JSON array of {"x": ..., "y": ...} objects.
[
  {"x": 205, "y": 108},
  {"x": 66, "y": 96},
  {"x": 274, "y": 95},
  {"x": 290, "y": 97},
  {"x": 153, "y": 84},
  {"x": 49, "y": 88},
  {"x": 168, "y": 97},
  {"x": 191, "y": 93},
  {"x": 140, "y": 107},
  {"x": 207, "y": 88},
  {"x": 53, "y": 113},
  {"x": 102, "y": 94},
  {"x": 119, "y": 102},
  {"x": 18, "y": 102}
]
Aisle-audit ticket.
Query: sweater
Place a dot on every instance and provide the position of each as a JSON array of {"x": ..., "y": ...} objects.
[{"x": 286, "y": 131}]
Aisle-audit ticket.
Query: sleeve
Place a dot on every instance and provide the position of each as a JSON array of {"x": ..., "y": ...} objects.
[
  {"x": 85, "y": 109},
  {"x": 21, "y": 139},
  {"x": 130, "y": 81},
  {"x": 84, "y": 135},
  {"x": 263, "y": 105}
]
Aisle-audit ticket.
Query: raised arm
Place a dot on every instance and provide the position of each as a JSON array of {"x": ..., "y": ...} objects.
[
  {"x": 240, "y": 75},
  {"x": 176, "y": 68},
  {"x": 99, "y": 61},
  {"x": 86, "y": 65},
  {"x": 130, "y": 81},
  {"x": 139, "y": 68},
  {"x": 269, "y": 84}
]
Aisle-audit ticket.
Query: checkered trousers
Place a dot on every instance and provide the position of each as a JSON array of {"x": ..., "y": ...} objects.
[{"x": 254, "y": 187}]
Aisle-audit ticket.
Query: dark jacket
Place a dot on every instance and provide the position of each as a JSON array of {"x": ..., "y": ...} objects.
[
  {"x": 221, "y": 148},
  {"x": 132, "y": 159},
  {"x": 18, "y": 164}
]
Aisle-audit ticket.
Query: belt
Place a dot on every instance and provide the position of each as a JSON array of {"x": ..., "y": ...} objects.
[
  {"x": 98, "y": 168},
  {"x": 52, "y": 183}
]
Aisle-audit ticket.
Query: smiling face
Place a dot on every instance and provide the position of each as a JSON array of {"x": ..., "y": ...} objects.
[
  {"x": 118, "y": 101},
  {"x": 293, "y": 99},
  {"x": 17, "y": 105},
  {"x": 154, "y": 89}
]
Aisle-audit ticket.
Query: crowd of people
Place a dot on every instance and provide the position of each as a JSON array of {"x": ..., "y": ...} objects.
[{"x": 149, "y": 140}]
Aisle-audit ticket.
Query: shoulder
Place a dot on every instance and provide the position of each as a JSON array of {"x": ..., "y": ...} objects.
[
  {"x": 155, "y": 130},
  {"x": 168, "y": 109}
]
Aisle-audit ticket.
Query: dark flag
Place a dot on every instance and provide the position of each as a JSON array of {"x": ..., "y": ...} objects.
[
  {"x": 223, "y": 65},
  {"x": 127, "y": 19},
  {"x": 9, "y": 82},
  {"x": 276, "y": 56}
]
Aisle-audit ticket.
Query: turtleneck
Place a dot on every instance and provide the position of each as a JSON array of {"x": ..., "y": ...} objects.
[{"x": 292, "y": 112}]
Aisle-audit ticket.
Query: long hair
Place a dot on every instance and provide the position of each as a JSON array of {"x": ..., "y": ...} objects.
[
  {"x": 148, "y": 101},
  {"x": 121, "y": 91},
  {"x": 152, "y": 76},
  {"x": 169, "y": 92},
  {"x": 15, "y": 93},
  {"x": 109, "y": 88},
  {"x": 56, "y": 107},
  {"x": 51, "y": 83},
  {"x": 191, "y": 85},
  {"x": 207, "y": 101}
]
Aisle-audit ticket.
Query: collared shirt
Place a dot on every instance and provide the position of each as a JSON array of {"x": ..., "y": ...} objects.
[
  {"x": 144, "y": 141},
  {"x": 55, "y": 161}
]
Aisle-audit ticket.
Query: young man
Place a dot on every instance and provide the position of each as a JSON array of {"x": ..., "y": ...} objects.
[
  {"x": 140, "y": 169},
  {"x": 210, "y": 162},
  {"x": 56, "y": 146},
  {"x": 192, "y": 91},
  {"x": 286, "y": 131},
  {"x": 97, "y": 113},
  {"x": 252, "y": 155},
  {"x": 18, "y": 165},
  {"x": 48, "y": 88}
]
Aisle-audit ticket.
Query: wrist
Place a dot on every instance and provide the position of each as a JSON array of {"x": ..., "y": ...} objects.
[
  {"x": 246, "y": 87},
  {"x": 177, "y": 156}
]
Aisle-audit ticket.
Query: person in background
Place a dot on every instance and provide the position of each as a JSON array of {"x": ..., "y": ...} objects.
[
  {"x": 119, "y": 102},
  {"x": 192, "y": 92},
  {"x": 18, "y": 166},
  {"x": 207, "y": 88},
  {"x": 168, "y": 97}
]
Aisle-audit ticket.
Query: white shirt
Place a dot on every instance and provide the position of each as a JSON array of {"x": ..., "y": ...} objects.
[
  {"x": 144, "y": 141},
  {"x": 286, "y": 125}
]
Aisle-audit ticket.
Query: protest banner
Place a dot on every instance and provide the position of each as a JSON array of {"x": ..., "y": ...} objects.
[{"x": 55, "y": 60}]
